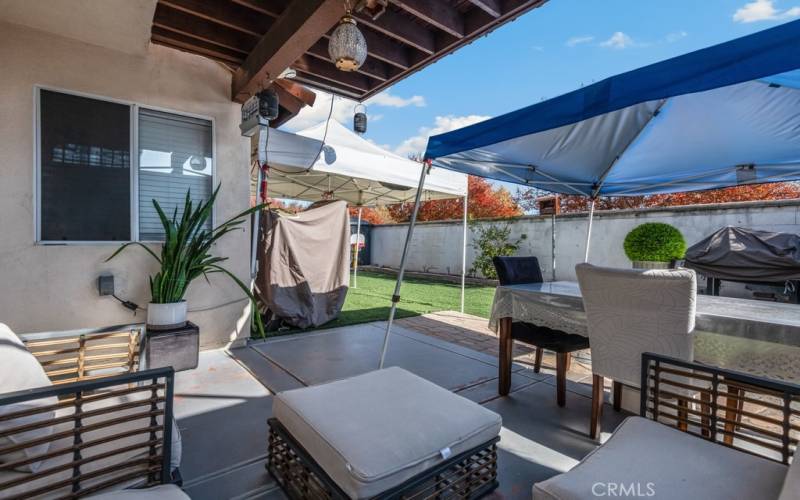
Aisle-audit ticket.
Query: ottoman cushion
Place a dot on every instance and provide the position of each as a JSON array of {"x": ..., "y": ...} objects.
[{"x": 372, "y": 432}]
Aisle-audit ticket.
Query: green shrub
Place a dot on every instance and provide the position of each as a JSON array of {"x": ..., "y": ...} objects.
[
  {"x": 492, "y": 240},
  {"x": 655, "y": 241}
]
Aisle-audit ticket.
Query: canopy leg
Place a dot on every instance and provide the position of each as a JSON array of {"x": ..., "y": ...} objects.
[
  {"x": 464, "y": 252},
  {"x": 409, "y": 234},
  {"x": 256, "y": 226},
  {"x": 553, "y": 244},
  {"x": 589, "y": 231},
  {"x": 358, "y": 246}
]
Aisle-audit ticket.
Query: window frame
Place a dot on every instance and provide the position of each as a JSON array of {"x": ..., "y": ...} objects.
[{"x": 134, "y": 108}]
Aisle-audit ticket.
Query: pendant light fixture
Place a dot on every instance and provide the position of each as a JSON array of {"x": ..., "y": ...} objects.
[{"x": 347, "y": 47}]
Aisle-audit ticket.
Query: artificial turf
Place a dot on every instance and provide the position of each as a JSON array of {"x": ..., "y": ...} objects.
[{"x": 371, "y": 300}]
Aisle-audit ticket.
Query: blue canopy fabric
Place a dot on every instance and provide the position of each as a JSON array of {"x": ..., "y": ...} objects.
[{"x": 722, "y": 116}]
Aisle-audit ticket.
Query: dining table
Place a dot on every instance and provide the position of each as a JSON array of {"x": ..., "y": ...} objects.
[{"x": 757, "y": 337}]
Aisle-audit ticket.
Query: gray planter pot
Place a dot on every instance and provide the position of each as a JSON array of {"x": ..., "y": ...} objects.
[{"x": 650, "y": 264}]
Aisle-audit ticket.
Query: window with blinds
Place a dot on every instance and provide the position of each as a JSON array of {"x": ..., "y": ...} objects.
[{"x": 175, "y": 157}]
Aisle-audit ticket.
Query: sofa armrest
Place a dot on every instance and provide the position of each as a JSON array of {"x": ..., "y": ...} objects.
[
  {"x": 752, "y": 414},
  {"x": 72, "y": 356},
  {"x": 110, "y": 432}
]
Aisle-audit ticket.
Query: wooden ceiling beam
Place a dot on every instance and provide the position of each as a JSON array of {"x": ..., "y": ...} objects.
[
  {"x": 399, "y": 28},
  {"x": 324, "y": 85},
  {"x": 231, "y": 15},
  {"x": 327, "y": 71},
  {"x": 299, "y": 26},
  {"x": 386, "y": 50},
  {"x": 491, "y": 7},
  {"x": 272, "y": 8},
  {"x": 189, "y": 44},
  {"x": 437, "y": 13},
  {"x": 303, "y": 94},
  {"x": 288, "y": 101},
  {"x": 201, "y": 29}
]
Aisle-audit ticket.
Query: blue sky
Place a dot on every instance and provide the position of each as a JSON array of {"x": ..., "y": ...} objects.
[{"x": 547, "y": 52}]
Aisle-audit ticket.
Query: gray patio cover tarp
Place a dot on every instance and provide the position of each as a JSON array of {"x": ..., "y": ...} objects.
[
  {"x": 736, "y": 253},
  {"x": 303, "y": 272}
]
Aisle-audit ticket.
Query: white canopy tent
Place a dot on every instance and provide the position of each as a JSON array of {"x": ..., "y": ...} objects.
[{"x": 329, "y": 161}]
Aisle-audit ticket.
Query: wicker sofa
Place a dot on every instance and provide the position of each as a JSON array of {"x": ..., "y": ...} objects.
[
  {"x": 77, "y": 419},
  {"x": 685, "y": 447}
]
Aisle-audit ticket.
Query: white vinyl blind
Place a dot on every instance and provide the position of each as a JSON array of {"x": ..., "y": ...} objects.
[{"x": 175, "y": 156}]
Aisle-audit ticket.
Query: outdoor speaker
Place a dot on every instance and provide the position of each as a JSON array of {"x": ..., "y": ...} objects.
[{"x": 268, "y": 104}]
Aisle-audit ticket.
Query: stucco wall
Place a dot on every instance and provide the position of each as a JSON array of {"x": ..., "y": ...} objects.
[
  {"x": 54, "y": 287},
  {"x": 436, "y": 247}
]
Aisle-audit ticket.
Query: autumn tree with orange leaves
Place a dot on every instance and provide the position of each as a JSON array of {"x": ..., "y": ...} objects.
[
  {"x": 754, "y": 192},
  {"x": 484, "y": 202}
]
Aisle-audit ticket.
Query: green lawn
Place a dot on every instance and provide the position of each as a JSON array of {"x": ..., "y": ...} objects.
[{"x": 371, "y": 301}]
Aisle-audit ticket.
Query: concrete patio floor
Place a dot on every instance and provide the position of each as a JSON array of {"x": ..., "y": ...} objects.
[{"x": 223, "y": 405}]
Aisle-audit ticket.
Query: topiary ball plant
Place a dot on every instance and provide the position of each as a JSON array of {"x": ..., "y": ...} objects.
[{"x": 654, "y": 242}]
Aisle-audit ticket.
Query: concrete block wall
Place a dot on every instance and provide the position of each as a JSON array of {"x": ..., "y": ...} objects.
[{"x": 436, "y": 246}]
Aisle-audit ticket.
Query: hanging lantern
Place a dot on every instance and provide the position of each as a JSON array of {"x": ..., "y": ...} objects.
[
  {"x": 360, "y": 119},
  {"x": 347, "y": 46}
]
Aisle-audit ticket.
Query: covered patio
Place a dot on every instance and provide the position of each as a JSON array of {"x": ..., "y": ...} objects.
[{"x": 141, "y": 108}]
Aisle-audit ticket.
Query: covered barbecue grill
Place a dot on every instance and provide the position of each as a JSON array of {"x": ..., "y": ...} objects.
[{"x": 748, "y": 256}]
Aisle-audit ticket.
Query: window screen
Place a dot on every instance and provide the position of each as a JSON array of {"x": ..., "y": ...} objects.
[
  {"x": 85, "y": 169},
  {"x": 174, "y": 157}
]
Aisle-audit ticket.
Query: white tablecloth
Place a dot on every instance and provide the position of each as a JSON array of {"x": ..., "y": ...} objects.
[{"x": 759, "y": 338}]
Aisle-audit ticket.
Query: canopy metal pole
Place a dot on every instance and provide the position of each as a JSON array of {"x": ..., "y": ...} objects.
[
  {"x": 409, "y": 234},
  {"x": 256, "y": 226},
  {"x": 589, "y": 231},
  {"x": 553, "y": 243},
  {"x": 358, "y": 246},
  {"x": 464, "y": 251}
]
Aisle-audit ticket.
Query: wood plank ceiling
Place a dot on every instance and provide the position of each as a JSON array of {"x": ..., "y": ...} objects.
[{"x": 258, "y": 39}]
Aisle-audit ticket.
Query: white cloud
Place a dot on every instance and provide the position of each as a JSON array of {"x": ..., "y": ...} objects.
[
  {"x": 343, "y": 109},
  {"x": 618, "y": 40},
  {"x": 577, "y": 40},
  {"x": 393, "y": 101},
  {"x": 538, "y": 48},
  {"x": 763, "y": 10},
  {"x": 416, "y": 145},
  {"x": 675, "y": 36}
]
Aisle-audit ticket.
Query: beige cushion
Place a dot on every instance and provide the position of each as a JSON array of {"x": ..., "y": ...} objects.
[
  {"x": 668, "y": 464},
  {"x": 374, "y": 431},
  {"x": 19, "y": 370},
  {"x": 791, "y": 485},
  {"x": 115, "y": 460},
  {"x": 162, "y": 492}
]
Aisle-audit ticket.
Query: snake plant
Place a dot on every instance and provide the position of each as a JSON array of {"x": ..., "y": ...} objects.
[{"x": 186, "y": 251}]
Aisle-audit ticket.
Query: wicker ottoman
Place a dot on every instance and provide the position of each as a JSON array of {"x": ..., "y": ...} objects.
[{"x": 384, "y": 434}]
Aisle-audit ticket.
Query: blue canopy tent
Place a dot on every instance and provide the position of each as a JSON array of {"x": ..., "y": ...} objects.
[{"x": 722, "y": 116}]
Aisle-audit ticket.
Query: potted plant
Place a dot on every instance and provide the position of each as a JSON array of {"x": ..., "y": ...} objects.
[
  {"x": 186, "y": 256},
  {"x": 654, "y": 245}
]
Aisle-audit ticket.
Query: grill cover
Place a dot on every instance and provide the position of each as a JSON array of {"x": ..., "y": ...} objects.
[
  {"x": 303, "y": 272},
  {"x": 739, "y": 254}
]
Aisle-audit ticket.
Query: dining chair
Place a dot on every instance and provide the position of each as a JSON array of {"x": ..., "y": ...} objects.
[
  {"x": 521, "y": 270},
  {"x": 629, "y": 312}
]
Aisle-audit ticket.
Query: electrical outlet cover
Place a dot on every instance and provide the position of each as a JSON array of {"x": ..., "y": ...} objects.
[{"x": 105, "y": 285}]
